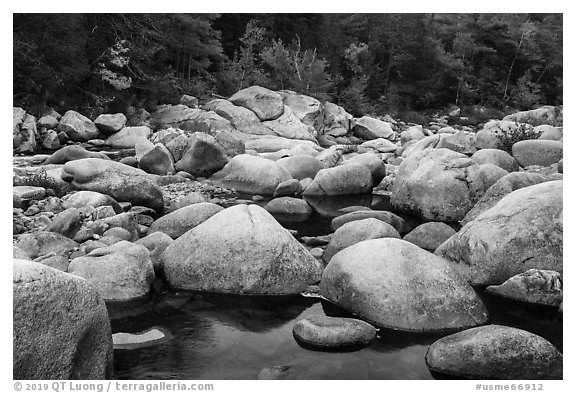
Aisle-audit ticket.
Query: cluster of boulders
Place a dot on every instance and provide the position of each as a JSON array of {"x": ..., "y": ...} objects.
[{"x": 102, "y": 208}]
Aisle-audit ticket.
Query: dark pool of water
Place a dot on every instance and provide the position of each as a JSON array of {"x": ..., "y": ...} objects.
[{"x": 236, "y": 337}]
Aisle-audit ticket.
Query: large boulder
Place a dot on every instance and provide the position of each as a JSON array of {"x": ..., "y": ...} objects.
[
  {"x": 80, "y": 199},
  {"x": 330, "y": 332},
  {"x": 438, "y": 184},
  {"x": 549, "y": 132},
  {"x": 203, "y": 155},
  {"x": 180, "y": 221},
  {"x": 357, "y": 231},
  {"x": 274, "y": 143},
  {"x": 369, "y": 128},
  {"x": 522, "y": 231},
  {"x": 288, "y": 125},
  {"x": 503, "y": 186},
  {"x": 397, "y": 285},
  {"x": 173, "y": 116},
  {"x": 534, "y": 286},
  {"x": 78, "y": 127},
  {"x": 61, "y": 328},
  {"x": 496, "y": 157},
  {"x": 41, "y": 243},
  {"x": 109, "y": 124},
  {"x": 267, "y": 104},
  {"x": 157, "y": 160},
  {"x": 128, "y": 137},
  {"x": 306, "y": 108},
  {"x": 121, "y": 182},
  {"x": 346, "y": 179},
  {"x": 335, "y": 120},
  {"x": 71, "y": 153},
  {"x": 120, "y": 272},
  {"x": 380, "y": 145},
  {"x": 300, "y": 166},
  {"x": 26, "y": 140},
  {"x": 252, "y": 175},
  {"x": 537, "y": 152},
  {"x": 495, "y": 352},
  {"x": 461, "y": 142},
  {"x": 241, "y": 118},
  {"x": 373, "y": 162},
  {"x": 430, "y": 235},
  {"x": 241, "y": 250},
  {"x": 543, "y": 115},
  {"x": 413, "y": 133}
]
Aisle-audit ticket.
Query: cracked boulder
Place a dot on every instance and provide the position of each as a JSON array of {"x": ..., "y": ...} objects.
[
  {"x": 394, "y": 284},
  {"x": 524, "y": 230},
  {"x": 438, "y": 185},
  {"x": 240, "y": 250}
]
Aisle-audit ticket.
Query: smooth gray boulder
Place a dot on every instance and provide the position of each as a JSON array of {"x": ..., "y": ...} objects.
[
  {"x": 496, "y": 157},
  {"x": 430, "y": 235},
  {"x": 109, "y": 124},
  {"x": 388, "y": 217},
  {"x": 252, "y": 175},
  {"x": 40, "y": 243},
  {"x": 267, "y": 104},
  {"x": 330, "y": 332},
  {"x": 180, "y": 221},
  {"x": 78, "y": 127},
  {"x": 397, "y": 285},
  {"x": 71, "y": 153},
  {"x": 300, "y": 166},
  {"x": 61, "y": 328},
  {"x": 240, "y": 250},
  {"x": 524, "y": 230},
  {"x": 353, "y": 178},
  {"x": 120, "y": 272},
  {"x": 121, "y": 182},
  {"x": 537, "y": 152},
  {"x": 495, "y": 352},
  {"x": 356, "y": 231}
]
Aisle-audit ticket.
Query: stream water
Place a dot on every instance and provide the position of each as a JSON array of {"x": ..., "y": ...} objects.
[{"x": 212, "y": 336}]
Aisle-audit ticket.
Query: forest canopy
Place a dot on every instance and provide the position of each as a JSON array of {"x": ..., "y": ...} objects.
[{"x": 367, "y": 63}]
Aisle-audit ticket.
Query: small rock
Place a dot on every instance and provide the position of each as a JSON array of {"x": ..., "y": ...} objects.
[{"x": 329, "y": 332}]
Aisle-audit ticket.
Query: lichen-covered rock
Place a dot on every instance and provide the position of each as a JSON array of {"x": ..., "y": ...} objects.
[
  {"x": 397, "y": 285},
  {"x": 495, "y": 352},
  {"x": 524, "y": 230},
  {"x": 534, "y": 286},
  {"x": 61, "y": 328},
  {"x": 240, "y": 250}
]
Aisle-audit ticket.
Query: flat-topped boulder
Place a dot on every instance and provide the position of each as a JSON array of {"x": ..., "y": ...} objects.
[
  {"x": 346, "y": 179},
  {"x": 240, "y": 250},
  {"x": 496, "y": 157},
  {"x": 397, "y": 285},
  {"x": 369, "y": 128},
  {"x": 537, "y": 152},
  {"x": 331, "y": 332}
]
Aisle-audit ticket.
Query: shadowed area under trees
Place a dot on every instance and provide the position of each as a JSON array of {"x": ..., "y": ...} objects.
[{"x": 402, "y": 64}]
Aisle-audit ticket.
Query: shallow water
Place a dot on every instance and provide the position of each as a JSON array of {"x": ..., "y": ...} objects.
[{"x": 237, "y": 337}]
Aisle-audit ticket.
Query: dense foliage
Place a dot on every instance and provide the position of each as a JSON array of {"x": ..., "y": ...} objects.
[{"x": 368, "y": 63}]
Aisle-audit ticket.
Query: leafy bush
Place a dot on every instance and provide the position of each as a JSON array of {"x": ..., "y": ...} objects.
[{"x": 522, "y": 132}]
